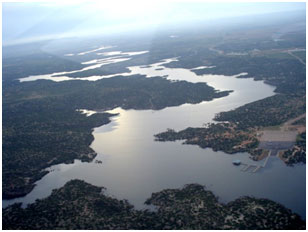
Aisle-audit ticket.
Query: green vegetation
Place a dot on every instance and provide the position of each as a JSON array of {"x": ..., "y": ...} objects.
[
  {"x": 137, "y": 92},
  {"x": 249, "y": 50},
  {"x": 36, "y": 63},
  {"x": 193, "y": 207},
  {"x": 41, "y": 126},
  {"x": 301, "y": 121},
  {"x": 225, "y": 137},
  {"x": 43, "y": 137},
  {"x": 262, "y": 57},
  {"x": 270, "y": 111},
  {"x": 298, "y": 153},
  {"x": 287, "y": 75},
  {"x": 79, "y": 205},
  {"x": 239, "y": 134},
  {"x": 300, "y": 54}
]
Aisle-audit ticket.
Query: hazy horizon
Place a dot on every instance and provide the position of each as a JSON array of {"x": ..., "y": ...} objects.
[{"x": 27, "y": 22}]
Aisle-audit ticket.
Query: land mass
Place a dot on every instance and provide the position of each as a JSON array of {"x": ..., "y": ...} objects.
[
  {"x": 240, "y": 129},
  {"x": 280, "y": 63},
  {"x": 42, "y": 126},
  {"x": 79, "y": 205},
  {"x": 222, "y": 136}
]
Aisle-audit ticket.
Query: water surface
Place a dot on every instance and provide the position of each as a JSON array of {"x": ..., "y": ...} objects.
[{"x": 134, "y": 165}]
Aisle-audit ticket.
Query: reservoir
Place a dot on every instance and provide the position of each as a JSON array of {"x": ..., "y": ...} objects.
[{"x": 134, "y": 165}]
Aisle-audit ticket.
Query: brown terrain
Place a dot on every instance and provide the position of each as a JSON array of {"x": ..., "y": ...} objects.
[{"x": 285, "y": 133}]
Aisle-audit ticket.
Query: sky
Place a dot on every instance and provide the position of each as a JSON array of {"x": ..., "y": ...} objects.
[{"x": 26, "y": 21}]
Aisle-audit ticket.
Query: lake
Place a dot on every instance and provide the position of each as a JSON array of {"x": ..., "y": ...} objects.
[{"x": 134, "y": 165}]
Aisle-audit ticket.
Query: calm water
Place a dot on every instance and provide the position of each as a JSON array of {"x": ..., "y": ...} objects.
[{"x": 134, "y": 165}]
